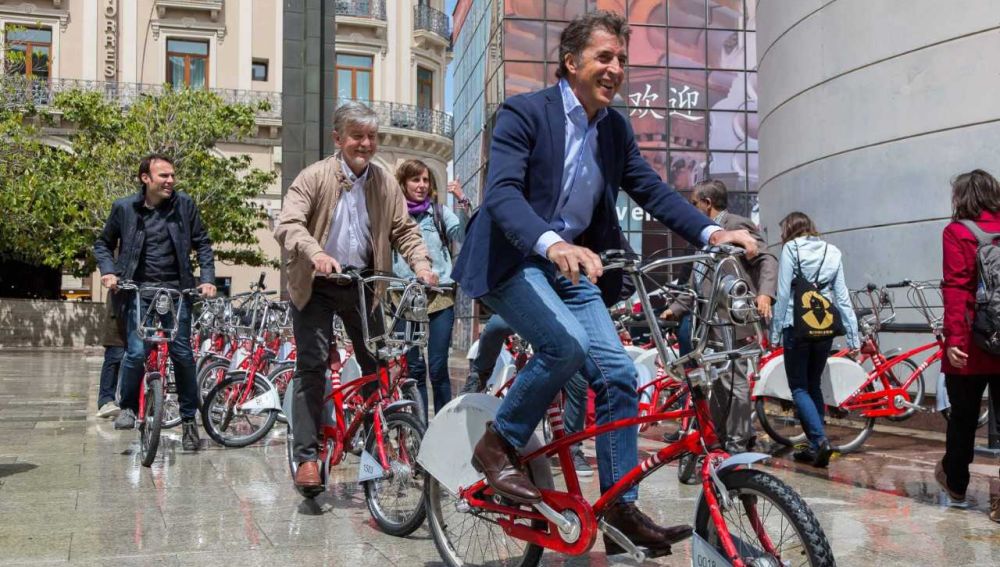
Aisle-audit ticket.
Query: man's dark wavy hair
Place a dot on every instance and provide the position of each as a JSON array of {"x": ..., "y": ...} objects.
[
  {"x": 576, "y": 36},
  {"x": 147, "y": 161}
]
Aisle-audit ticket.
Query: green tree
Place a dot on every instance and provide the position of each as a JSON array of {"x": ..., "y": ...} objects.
[{"x": 58, "y": 200}]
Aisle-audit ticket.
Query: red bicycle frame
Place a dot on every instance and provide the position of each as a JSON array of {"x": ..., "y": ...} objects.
[{"x": 156, "y": 361}]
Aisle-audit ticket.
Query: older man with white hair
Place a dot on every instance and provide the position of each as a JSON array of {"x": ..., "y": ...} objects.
[{"x": 341, "y": 211}]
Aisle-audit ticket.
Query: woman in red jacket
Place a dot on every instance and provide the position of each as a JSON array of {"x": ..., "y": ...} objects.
[{"x": 968, "y": 370}]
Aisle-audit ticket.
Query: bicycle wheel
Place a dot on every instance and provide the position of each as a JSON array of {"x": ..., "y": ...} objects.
[
  {"x": 779, "y": 420},
  {"x": 396, "y": 502},
  {"x": 226, "y": 422},
  {"x": 149, "y": 427},
  {"x": 465, "y": 536},
  {"x": 769, "y": 523},
  {"x": 171, "y": 404},
  {"x": 410, "y": 392},
  {"x": 210, "y": 375},
  {"x": 899, "y": 373},
  {"x": 281, "y": 377}
]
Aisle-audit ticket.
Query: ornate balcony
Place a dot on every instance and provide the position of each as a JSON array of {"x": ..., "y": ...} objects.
[
  {"x": 410, "y": 117},
  {"x": 374, "y": 9},
  {"x": 428, "y": 19},
  {"x": 19, "y": 91}
]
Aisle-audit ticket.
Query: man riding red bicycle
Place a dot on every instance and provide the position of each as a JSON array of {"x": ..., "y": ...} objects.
[
  {"x": 557, "y": 160},
  {"x": 153, "y": 233}
]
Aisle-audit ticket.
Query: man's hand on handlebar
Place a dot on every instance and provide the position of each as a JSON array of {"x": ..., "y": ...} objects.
[
  {"x": 110, "y": 281},
  {"x": 764, "y": 306},
  {"x": 207, "y": 289},
  {"x": 741, "y": 238},
  {"x": 323, "y": 263},
  {"x": 428, "y": 277},
  {"x": 573, "y": 260},
  {"x": 667, "y": 315}
]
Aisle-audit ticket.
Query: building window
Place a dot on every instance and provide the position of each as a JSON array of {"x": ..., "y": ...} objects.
[
  {"x": 354, "y": 77},
  {"x": 425, "y": 88},
  {"x": 259, "y": 69},
  {"x": 187, "y": 63},
  {"x": 29, "y": 51}
]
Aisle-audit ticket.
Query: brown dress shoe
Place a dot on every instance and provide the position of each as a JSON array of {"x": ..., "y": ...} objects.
[
  {"x": 642, "y": 531},
  {"x": 942, "y": 479},
  {"x": 308, "y": 475},
  {"x": 493, "y": 457}
]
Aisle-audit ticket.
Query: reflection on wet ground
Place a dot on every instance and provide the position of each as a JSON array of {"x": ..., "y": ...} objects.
[{"x": 71, "y": 490}]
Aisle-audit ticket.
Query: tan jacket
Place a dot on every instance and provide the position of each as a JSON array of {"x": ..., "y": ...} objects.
[{"x": 305, "y": 216}]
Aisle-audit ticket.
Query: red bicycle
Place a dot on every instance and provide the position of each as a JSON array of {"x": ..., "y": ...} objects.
[
  {"x": 382, "y": 428},
  {"x": 744, "y": 517},
  {"x": 157, "y": 326}
]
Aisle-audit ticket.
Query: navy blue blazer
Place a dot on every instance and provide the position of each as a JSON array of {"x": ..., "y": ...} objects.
[{"x": 524, "y": 181}]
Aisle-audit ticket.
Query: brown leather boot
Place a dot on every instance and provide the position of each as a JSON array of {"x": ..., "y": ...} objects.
[
  {"x": 494, "y": 457},
  {"x": 308, "y": 475},
  {"x": 642, "y": 531}
]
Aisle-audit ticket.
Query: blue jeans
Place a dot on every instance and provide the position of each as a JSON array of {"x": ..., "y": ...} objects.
[
  {"x": 491, "y": 340},
  {"x": 570, "y": 330},
  {"x": 438, "y": 343},
  {"x": 684, "y": 335},
  {"x": 134, "y": 362},
  {"x": 804, "y": 364},
  {"x": 109, "y": 374}
]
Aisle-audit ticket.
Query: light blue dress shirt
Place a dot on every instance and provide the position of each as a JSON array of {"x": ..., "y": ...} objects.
[{"x": 582, "y": 180}]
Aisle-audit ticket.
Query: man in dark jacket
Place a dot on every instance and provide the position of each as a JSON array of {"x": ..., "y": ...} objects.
[{"x": 154, "y": 232}]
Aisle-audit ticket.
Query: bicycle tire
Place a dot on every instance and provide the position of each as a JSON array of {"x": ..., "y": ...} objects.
[
  {"x": 210, "y": 375},
  {"x": 412, "y": 393},
  {"x": 687, "y": 469},
  {"x": 435, "y": 495},
  {"x": 218, "y": 412},
  {"x": 917, "y": 397},
  {"x": 150, "y": 426},
  {"x": 405, "y": 477},
  {"x": 747, "y": 487},
  {"x": 770, "y": 420}
]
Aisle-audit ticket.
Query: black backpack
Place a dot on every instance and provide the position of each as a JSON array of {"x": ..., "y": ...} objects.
[
  {"x": 986, "y": 320},
  {"x": 815, "y": 318},
  {"x": 438, "y": 215}
]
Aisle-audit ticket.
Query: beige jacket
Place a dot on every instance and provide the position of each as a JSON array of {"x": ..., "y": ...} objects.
[{"x": 305, "y": 216}]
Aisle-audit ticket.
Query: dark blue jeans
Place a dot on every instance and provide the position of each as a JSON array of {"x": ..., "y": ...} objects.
[
  {"x": 491, "y": 340},
  {"x": 134, "y": 362},
  {"x": 109, "y": 374},
  {"x": 570, "y": 330},
  {"x": 438, "y": 343},
  {"x": 804, "y": 364}
]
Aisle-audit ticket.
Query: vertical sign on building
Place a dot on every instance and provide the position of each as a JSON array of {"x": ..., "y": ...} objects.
[{"x": 110, "y": 40}]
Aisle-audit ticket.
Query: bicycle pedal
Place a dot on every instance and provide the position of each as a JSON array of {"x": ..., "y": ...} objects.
[{"x": 624, "y": 542}]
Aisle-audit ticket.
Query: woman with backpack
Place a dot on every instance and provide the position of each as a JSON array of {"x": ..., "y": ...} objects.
[
  {"x": 969, "y": 368},
  {"x": 439, "y": 227},
  {"x": 813, "y": 306}
]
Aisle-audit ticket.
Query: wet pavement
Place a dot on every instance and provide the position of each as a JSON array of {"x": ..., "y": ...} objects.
[{"x": 72, "y": 490}]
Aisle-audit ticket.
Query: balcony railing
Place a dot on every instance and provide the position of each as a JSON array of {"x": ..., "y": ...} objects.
[
  {"x": 374, "y": 9},
  {"x": 410, "y": 117},
  {"x": 19, "y": 91},
  {"x": 435, "y": 21}
]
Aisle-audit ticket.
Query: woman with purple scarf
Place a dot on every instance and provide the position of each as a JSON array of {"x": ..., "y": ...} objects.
[{"x": 440, "y": 228}]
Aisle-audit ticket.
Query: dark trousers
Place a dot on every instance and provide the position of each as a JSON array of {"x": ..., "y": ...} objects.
[
  {"x": 491, "y": 342},
  {"x": 313, "y": 326},
  {"x": 438, "y": 344},
  {"x": 965, "y": 394},
  {"x": 109, "y": 374},
  {"x": 804, "y": 364}
]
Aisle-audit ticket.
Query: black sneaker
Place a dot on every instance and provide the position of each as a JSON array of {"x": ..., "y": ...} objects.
[
  {"x": 805, "y": 455},
  {"x": 581, "y": 465},
  {"x": 472, "y": 385},
  {"x": 823, "y": 454},
  {"x": 125, "y": 420},
  {"x": 190, "y": 441}
]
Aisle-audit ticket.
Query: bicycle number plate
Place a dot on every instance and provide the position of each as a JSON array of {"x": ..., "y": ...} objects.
[
  {"x": 369, "y": 468},
  {"x": 704, "y": 554}
]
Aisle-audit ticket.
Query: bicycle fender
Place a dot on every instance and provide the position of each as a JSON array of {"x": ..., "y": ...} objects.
[
  {"x": 741, "y": 459},
  {"x": 399, "y": 406},
  {"x": 892, "y": 352}
]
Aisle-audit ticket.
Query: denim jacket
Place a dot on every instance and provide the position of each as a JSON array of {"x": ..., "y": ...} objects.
[
  {"x": 440, "y": 257},
  {"x": 810, "y": 253}
]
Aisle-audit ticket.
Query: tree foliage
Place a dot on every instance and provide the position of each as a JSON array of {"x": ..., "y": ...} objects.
[{"x": 55, "y": 202}]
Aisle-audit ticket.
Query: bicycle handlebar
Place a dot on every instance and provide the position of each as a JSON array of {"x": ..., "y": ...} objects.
[{"x": 904, "y": 283}]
